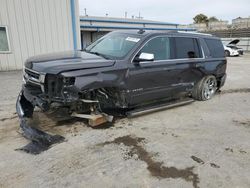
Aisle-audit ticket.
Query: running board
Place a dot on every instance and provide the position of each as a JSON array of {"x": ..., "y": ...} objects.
[{"x": 150, "y": 109}]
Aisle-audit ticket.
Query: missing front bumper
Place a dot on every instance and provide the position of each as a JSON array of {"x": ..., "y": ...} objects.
[{"x": 40, "y": 141}]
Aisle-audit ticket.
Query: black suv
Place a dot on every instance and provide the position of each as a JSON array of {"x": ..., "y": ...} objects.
[{"x": 122, "y": 72}]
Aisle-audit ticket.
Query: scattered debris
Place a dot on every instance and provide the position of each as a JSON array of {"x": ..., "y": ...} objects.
[
  {"x": 242, "y": 151},
  {"x": 198, "y": 160},
  {"x": 229, "y": 149},
  {"x": 40, "y": 141},
  {"x": 214, "y": 165},
  {"x": 243, "y": 123},
  {"x": 156, "y": 169},
  {"x": 174, "y": 135}
]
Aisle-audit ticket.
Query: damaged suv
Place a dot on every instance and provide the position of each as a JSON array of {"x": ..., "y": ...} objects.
[{"x": 124, "y": 72}]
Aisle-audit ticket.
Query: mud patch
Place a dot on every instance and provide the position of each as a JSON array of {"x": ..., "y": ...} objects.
[
  {"x": 156, "y": 169},
  {"x": 198, "y": 160},
  {"x": 241, "y": 90}
]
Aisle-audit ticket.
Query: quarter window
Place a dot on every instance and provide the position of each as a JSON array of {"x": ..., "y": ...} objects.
[
  {"x": 215, "y": 48},
  {"x": 187, "y": 48},
  {"x": 159, "y": 46},
  {"x": 4, "y": 43}
]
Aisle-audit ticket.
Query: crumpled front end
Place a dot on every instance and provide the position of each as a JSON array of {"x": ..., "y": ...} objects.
[
  {"x": 40, "y": 141},
  {"x": 60, "y": 99}
]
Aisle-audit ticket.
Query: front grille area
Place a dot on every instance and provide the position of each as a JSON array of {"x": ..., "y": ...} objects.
[
  {"x": 32, "y": 74},
  {"x": 34, "y": 78},
  {"x": 49, "y": 84},
  {"x": 53, "y": 85}
]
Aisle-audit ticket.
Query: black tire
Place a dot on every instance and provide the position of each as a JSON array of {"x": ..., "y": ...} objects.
[
  {"x": 205, "y": 88},
  {"x": 227, "y": 53}
]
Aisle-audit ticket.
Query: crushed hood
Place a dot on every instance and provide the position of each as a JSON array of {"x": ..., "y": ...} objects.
[{"x": 66, "y": 61}]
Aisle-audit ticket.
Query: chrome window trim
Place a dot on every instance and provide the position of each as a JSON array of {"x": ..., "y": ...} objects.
[{"x": 167, "y": 60}]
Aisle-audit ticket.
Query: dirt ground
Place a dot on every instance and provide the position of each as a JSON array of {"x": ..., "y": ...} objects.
[{"x": 203, "y": 144}]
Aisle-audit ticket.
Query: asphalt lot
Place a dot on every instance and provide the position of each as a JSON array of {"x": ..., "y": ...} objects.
[{"x": 203, "y": 144}]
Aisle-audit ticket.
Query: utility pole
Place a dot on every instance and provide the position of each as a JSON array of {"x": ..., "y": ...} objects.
[
  {"x": 139, "y": 17},
  {"x": 126, "y": 14},
  {"x": 85, "y": 12}
]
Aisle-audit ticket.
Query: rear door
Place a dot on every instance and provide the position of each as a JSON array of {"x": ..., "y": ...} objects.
[{"x": 189, "y": 61}]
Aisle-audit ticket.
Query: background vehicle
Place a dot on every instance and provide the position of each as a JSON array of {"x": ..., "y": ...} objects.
[{"x": 232, "y": 50}]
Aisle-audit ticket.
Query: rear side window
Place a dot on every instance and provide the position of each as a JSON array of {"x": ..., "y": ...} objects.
[
  {"x": 215, "y": 48},
  {"x": 187, "y": 48}
]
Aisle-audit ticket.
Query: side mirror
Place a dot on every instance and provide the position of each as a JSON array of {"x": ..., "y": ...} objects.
[{"x": 144, "y": 57}]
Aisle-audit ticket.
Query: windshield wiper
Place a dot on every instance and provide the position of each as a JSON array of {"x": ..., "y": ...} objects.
[{"x": 97, "y": 53}]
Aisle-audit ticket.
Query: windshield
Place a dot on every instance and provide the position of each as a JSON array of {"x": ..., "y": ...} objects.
[{"x": 113, "y": 46}]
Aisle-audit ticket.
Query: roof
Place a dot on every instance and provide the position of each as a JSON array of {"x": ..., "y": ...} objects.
[{"x": 124, "y": 20}]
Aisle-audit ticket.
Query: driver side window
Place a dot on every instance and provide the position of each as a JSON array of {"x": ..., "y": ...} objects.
[{"x": 159, "y": 46}]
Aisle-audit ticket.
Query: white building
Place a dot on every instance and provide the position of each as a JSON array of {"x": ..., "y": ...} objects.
[
  {"x": 93, "y": 27},
  {"x": 31, "y": 27},
  {"x": 241, "y": 23}
]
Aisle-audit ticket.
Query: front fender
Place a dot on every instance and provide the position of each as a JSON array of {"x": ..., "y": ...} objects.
[{"x": 99, "y": 80}]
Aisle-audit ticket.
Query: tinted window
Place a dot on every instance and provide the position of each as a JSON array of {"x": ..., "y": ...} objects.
[
  {"x": 215, "y": 47},
  {"x": 4, "y": 45},
  {"x": 187, "y": 48},
  {"x": 159, "y": 46}
]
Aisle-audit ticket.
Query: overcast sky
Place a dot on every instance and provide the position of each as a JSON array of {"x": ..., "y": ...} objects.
[{"x": 176, "y": 11}]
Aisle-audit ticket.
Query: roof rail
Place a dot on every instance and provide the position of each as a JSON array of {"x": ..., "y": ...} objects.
[
  {"x": 205, "y": 34},
  {"x": 141, "y": 31}
]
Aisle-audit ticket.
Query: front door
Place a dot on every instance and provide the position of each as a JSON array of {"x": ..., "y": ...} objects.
[{"x": 151, "y": 80}]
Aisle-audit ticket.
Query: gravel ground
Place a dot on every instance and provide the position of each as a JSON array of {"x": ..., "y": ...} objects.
[{"x": 203, "y": 144}]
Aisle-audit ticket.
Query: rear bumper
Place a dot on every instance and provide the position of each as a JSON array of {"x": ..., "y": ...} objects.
[{"x": 223, "y": 80}]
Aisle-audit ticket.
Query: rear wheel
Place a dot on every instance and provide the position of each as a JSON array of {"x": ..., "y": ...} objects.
[
  {"x": 205, "y": 88},
  {"x": 227, "y": 53}
]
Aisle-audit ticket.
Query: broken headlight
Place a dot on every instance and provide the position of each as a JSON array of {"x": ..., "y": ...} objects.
[{"x": 68, "y": 81}]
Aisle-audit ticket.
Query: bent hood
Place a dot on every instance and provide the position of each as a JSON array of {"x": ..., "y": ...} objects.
[{"x": 66, "y": 61}]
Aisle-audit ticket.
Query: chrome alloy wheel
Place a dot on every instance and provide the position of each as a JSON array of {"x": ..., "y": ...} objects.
[{"x": 210, "y": 87}]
